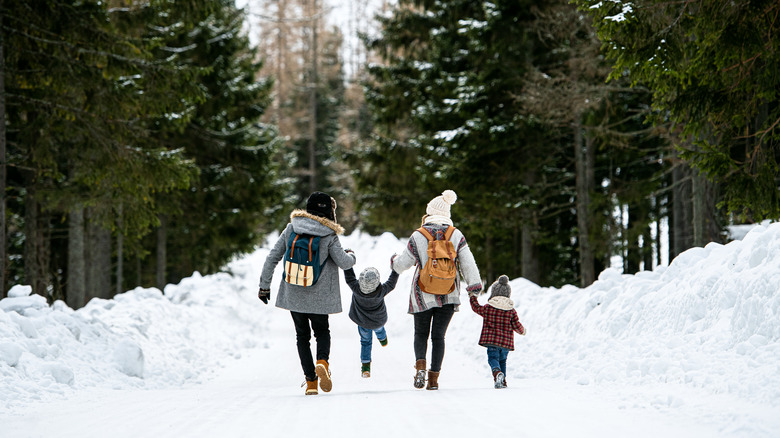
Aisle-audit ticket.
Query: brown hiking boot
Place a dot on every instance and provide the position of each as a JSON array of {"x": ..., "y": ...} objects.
[
  {"x": 419, "y": 375},
  {"x": 324, "y": 374},
  {"x": 311, "y": 387},
  {"x": 433, "y": 380}
]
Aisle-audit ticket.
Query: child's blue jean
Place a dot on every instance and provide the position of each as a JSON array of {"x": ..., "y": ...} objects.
[
  {"x": 366, "y": 339},
  {"x": 497, "y": 358}
]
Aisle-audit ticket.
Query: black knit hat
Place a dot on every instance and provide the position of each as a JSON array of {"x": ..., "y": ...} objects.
[{"x": 322, "y": 205}]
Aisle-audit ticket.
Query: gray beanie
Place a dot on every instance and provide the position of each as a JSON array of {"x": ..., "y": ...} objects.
[
  {"x": 501, "y": 287},
  {"x": 369, "y": 280}
]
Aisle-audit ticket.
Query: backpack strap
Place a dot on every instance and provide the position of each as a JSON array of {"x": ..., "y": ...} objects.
[
  {"x": 292, "y": 245},
  {"x": 448, "y": 233},
  {"x": 426, "y": 233}
]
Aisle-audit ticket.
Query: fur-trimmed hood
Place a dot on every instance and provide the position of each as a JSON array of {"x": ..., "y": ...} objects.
[
  {"x": 501, "y": 303},
  {"x": 301, "y": 225}
]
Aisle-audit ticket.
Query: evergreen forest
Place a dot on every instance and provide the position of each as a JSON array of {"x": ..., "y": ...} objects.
[{"x": 142, "y": 141}]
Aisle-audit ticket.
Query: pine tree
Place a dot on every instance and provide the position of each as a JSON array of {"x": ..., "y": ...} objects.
[
  {"x": 713, "y": 68},
  {"x": 92, "y": 89},
  {"x": 236, "y": 197},
  {"x": 447, "y": 109},
  {"x": 303, "y": 57}
]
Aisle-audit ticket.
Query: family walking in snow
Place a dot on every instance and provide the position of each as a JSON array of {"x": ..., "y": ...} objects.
[{"x": 312, "y": 255}]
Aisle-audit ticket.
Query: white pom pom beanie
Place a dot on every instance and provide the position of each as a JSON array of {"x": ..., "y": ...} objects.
[{"x": 438, "y": 210}]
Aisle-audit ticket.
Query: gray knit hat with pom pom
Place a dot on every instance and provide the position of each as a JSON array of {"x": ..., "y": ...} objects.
[{"x": 501, "y": 287}]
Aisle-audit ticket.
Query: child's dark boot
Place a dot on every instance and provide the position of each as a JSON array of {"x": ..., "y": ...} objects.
[{"x": 498, "y": 379}]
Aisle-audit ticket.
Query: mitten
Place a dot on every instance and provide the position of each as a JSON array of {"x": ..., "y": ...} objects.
[
  {"x": 392, "y": 260},
  {"x": 264, "y": 295},
  {"x": 474, "y": 289}
]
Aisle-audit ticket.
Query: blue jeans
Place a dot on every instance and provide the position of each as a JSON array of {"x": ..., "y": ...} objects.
[
  {"x": 366, "y": 339},
  {"x": 497, "y": 358}
]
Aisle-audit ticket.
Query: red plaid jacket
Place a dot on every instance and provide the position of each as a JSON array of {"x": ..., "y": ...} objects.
[{"x": 498, "y": 325}]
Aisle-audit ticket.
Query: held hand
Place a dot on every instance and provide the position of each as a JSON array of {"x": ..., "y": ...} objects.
[
  {"x": 392, "y": 260},
  {"x": 475, "y": 289},
  {"x": 264, "y": 295}
]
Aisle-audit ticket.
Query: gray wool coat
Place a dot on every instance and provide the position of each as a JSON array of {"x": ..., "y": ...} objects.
[{"x": 324, "y": 297}]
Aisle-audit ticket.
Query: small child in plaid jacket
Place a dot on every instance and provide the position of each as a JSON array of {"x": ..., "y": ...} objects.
[{"x": 498, "y": 327}]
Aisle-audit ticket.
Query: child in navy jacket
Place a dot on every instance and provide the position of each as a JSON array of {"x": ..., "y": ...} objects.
[{"x": 368, "y": 310}]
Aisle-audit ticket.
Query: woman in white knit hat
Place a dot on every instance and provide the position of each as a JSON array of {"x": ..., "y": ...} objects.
[{"x": 433, "y": 311}]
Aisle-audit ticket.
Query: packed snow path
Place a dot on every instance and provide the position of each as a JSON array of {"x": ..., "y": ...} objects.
[
  {"x": 217, "y": 362},
  {"x": 259, "y": 395}
]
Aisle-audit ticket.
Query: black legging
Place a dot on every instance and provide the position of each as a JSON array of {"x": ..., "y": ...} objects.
[
  {"x": 440, "y": 318},
  {"x": 319, "y": 324}
]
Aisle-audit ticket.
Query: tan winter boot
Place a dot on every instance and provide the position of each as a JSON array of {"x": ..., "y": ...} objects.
[
  {"x": 419, "y": 375},
  {"x": 324, "y": 374},
  {"x": 433, "y": 380},
  {"x": 311, "y": 387}
]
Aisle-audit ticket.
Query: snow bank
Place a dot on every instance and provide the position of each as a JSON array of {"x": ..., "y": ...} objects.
[
  {"x": 139, "y": 339},
  {"x": 710, "y": 320}
]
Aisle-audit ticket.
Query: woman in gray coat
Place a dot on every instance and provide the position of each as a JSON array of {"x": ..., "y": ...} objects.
[
  {"x": 432, "y": 313},
  {"x": 311, "y": 305}
]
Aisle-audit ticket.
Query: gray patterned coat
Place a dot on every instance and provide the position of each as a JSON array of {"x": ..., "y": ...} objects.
[{"x": 325, "y": 296}]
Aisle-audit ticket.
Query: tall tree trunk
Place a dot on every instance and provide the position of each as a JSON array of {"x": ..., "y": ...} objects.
[
  {"x": 584, "y": 180},
  {"x": 517, "y": 269},
  {"x": 705, "y": 222},
  {"x": 138, "y": 272},
  {"x": 75, "y": 289},
  {"x": 530, "y": 262},
  {"x": 98, "y": 258},
  {"x": 681, "y": 234},
  {"x": 313, "y": 102},
  {"x": 699, "y": 195},
  {"x": 281, "y": 57},
  {"x": 161, "y": 252},
  {"x": 120, "y": 256},
  {"x": 3, "y": 225},
  {"x": 489, "y": 269},
  {"x": 633, "y": 255},
  {"x": 34, "y": 245},
  {"x": 647, "y": 248},
  {"x": 103, "y": 236},
  {"x": 658, "y": 246},
  {"x": 528, "y": 232}
]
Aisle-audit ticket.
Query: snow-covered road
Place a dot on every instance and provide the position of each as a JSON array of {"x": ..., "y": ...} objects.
[
  {"x": 652, "y": 355},
  {"x": 258, "y": 395}
]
